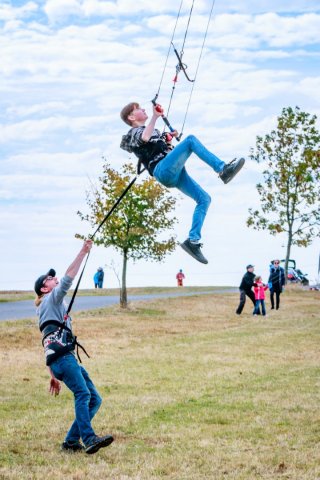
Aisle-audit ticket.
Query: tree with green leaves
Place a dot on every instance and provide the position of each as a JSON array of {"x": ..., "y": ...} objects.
[
  {"x": 137, "y": 225},
  {"x": 290, "y": 194}
]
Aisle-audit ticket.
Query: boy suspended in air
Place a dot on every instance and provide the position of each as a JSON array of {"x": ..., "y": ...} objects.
[{"x": 167, "y": 165}]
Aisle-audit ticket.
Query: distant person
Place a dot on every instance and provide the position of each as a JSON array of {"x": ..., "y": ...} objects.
[
  {"x": 98, "y": 278},
  {"x": 259, "y": 294},
  {"x": 59, "y": 346},
  {"x": 246, "y": 288},
  {"x": 180, "y": 277},
  {"x": 276, "y": 282}
]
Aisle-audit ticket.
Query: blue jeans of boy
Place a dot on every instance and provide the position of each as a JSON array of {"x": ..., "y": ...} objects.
[
  {"x": 171, "y": 172},
  {"x": 86, "y": 398},
  {"x": 256, "y": 310}
]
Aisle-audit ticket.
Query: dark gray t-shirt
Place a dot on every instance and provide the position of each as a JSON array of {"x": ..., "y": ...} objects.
[{"x": 149, "y": 153}]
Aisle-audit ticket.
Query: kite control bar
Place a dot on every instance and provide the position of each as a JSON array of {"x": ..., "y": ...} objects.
[{"x": 164, "y": 118}]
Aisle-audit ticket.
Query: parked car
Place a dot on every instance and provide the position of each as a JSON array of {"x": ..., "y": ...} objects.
[{"x": 295, "y": 275}]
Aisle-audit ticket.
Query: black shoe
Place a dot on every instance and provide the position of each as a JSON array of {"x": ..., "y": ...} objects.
[
  {"x": 231, "y": 169},
  {"x": 98, "y": 442},
  {"x": 72, "y": 446},
  {"x": 194, "y": 249}
]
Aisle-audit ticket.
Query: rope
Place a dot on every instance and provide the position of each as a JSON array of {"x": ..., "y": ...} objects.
[
  {"x": 76, "y": 289},
  {"x": 123, "y": 194},
  {"x": 166, "y": 61},
  {"x": 181, "y": 53},
  {"x": 187, "y": 29},
  {"x": 181, "y": 65},
  {"x": 197, "y": 69}
]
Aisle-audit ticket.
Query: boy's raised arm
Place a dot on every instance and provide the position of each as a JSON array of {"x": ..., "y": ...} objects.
[{"x": 150, "y": 127}]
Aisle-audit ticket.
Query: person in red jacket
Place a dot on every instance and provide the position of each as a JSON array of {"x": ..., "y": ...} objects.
[
  {"x": 259, "y": 288},
  {"x": 180, "y": 277}
]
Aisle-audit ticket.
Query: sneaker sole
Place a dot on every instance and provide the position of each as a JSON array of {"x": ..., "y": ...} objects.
[
  {"x": 236, "y": 170},
  {"x": 72, "y": 450},
  {"x": 192, "y": 254},
  {"x": 96, "y": 447}
]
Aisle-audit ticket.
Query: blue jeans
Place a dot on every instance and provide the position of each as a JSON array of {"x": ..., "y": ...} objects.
[
  {"x": 171, "y": 172},
  {"x": 256, "y": 310},
  {"x": 86, "y": 398}
]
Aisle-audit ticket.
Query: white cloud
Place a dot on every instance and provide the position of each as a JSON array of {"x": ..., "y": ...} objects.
[
  {"x": 9, "y": 13},
  {"x": 288, "y": 31},
  {"x": 40, "y": 108},
  {"x": 58, "y": 9},
  {"x": 34, "y": 129},
  {"x": 310, "y": 86},
  {"x": 62, "y": 164},
  {"x": 283, "y": 6},
  {"x": 239, "y": 31},
  {"x": 40, "y": 187}
]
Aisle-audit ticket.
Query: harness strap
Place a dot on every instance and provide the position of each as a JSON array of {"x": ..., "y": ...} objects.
[
  {"x": 78, "y": 345},
  {"x": 50, "y": 322}
]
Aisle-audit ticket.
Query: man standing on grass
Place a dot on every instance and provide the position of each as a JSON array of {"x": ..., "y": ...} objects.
[
  {"x": 59, "y": 345},
  {"x": 246, "y": 289}
]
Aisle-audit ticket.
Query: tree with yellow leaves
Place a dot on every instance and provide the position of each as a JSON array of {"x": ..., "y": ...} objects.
[{"x": 136, "y": 228}]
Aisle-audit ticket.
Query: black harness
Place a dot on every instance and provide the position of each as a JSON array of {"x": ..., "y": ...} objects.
[
  {"x": 150, "y": 154},
  {"x": 61, "y": 331}
]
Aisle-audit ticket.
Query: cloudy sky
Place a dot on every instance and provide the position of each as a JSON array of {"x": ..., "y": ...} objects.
[{"x": 68, "y": 67}]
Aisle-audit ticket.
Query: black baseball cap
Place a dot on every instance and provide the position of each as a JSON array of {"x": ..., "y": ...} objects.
[
  {"x": 39, "y": 282},
  {"x": 249, "y": 266}
]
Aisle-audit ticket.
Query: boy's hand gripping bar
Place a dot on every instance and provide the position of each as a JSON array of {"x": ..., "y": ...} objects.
[{"x": 164, "y": 118}]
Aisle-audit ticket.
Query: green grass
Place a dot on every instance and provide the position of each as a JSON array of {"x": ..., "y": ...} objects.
[{"x": 191, "y": 391}]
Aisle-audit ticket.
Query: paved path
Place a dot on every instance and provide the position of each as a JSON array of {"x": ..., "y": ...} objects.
[{"x": 26, "y": 308}]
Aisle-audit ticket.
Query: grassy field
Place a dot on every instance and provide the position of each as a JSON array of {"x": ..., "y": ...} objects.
[
  {"x": 191, "y": 391},
  {"x": 17, "y": 295}
]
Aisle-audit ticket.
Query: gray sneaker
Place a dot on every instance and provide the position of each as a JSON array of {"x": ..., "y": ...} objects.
[
  {"x": 194, "y": 249},
  {"x": 231, "y": 169},
  {"x": 98, "y": 442}
]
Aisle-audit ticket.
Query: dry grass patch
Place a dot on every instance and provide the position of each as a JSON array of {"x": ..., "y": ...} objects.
[{"x": 191, "y": 391}]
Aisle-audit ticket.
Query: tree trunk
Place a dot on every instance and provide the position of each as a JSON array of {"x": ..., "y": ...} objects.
[
  {"x": 288, "y": 255},
  {"x": 123, "y": 291}
]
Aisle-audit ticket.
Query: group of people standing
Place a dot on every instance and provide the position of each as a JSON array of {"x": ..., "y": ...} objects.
[{"x": 252, "y": 286}]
